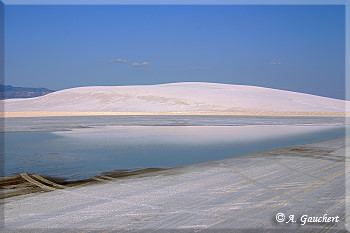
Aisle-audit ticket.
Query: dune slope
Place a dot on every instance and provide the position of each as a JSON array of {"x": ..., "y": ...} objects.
[{"x": 176, "y": 97}]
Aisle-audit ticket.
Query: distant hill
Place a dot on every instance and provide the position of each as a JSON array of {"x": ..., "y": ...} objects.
[{"x": 9, "y": 92}]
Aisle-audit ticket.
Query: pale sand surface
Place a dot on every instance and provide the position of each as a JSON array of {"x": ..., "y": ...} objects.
[
  {"x": 240, "y": 194},
  {"x": 176, "y": 97},
  {"x": 188, "y": 98},
  {"x": 238, "y": 113}
]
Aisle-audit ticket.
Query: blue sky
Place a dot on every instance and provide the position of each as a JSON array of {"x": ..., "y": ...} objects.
[{"x": 297, "y": 48}]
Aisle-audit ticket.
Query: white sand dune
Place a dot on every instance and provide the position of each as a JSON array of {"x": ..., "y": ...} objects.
[{"x": 176, "y": 97}]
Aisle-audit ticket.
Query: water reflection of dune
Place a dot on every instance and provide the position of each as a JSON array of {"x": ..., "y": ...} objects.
[{"x": 191, "y": 134}]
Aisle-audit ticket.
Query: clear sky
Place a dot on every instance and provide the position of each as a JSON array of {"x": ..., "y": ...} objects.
[{"x": 297, "y": 48}]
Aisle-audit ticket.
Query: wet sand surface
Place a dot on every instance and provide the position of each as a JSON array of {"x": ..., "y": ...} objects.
[
  {"x": 233, "y": 113},
  {"x": 240, "y": 194},
  {"x": 18, "y": 185}
]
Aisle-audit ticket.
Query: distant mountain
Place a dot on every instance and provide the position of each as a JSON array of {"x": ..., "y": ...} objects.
[
  {"x": 9, "y": 92},
  {"x": 176, "y": 97}
]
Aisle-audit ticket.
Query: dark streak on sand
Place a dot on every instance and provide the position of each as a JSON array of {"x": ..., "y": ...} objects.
[{"x": 12, "y": 186}]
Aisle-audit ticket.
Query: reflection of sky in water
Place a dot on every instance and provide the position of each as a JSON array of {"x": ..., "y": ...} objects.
[{"x": 86, "y": 152}]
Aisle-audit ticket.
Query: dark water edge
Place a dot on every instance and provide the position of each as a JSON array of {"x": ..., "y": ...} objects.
[{"x": 16, "y": 185}]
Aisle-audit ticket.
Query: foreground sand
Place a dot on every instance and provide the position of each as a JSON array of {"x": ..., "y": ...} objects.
[
  {"x": 238, "y": 194},
  {"x": 238, "y": 113}
]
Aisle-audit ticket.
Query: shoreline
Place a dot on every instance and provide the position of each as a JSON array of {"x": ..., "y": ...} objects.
[
  {"x": 206, "y": 196},
  {"x": 199, "y": 113},
  {"x": 17, "y": 185}
]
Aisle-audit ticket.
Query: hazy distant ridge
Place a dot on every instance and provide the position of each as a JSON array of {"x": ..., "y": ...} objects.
[
  {"x": 176, "y": 97},
  {"x": 8, "y": 92}
]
